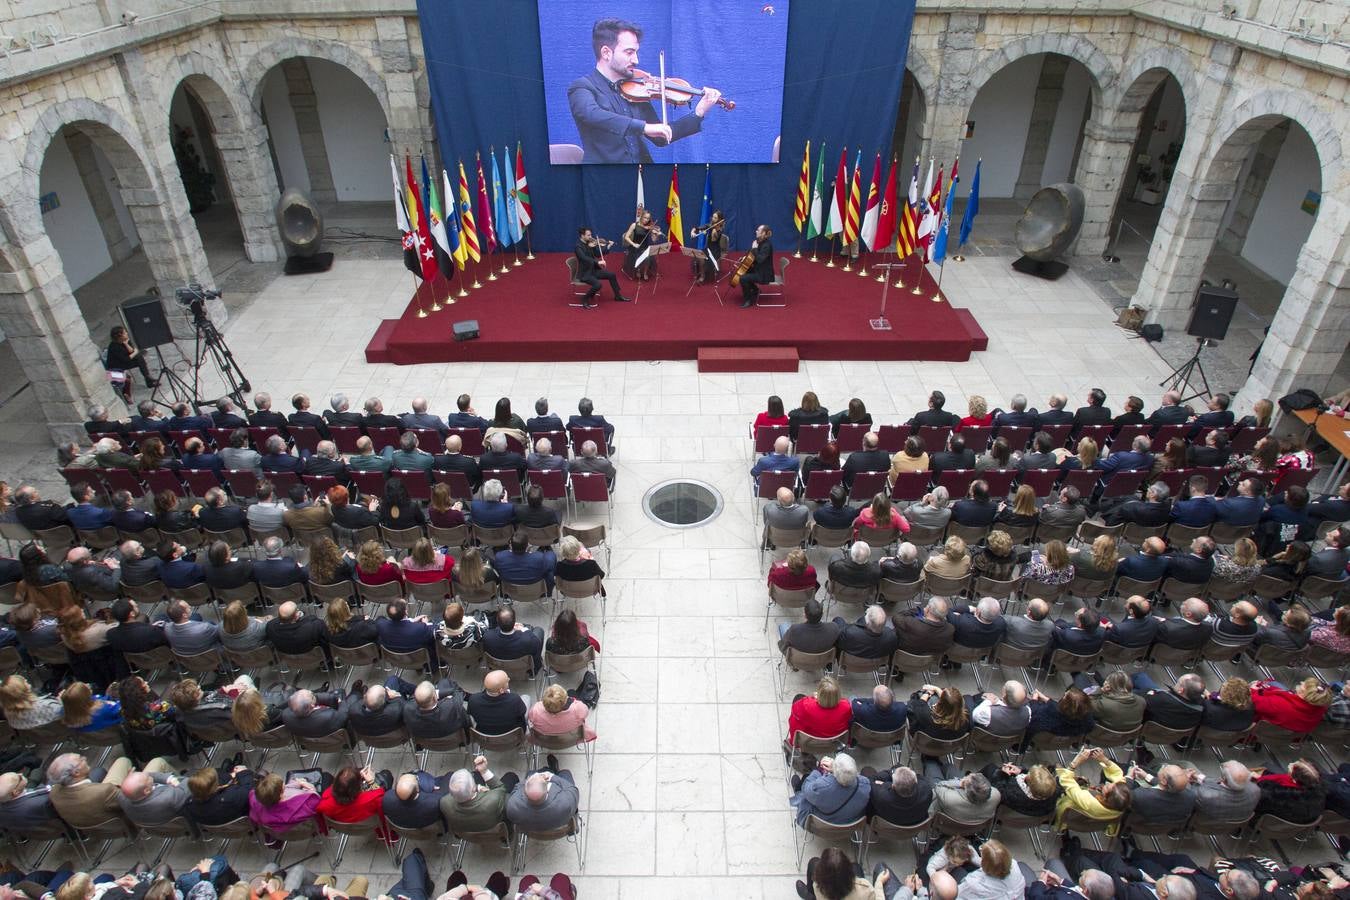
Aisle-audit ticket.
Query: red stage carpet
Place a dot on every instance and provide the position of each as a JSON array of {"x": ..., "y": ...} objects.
[{"x": 524, "y": 317}]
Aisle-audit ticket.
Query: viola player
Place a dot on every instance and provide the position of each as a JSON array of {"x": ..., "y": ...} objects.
[{"x": 614, "y": 129}]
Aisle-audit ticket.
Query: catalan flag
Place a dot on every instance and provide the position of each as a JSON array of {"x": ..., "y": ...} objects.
[
  {"x": 854, "y": 207},
  {"x": 802, "y": 210},
  {"x": 467, "y": 228}
]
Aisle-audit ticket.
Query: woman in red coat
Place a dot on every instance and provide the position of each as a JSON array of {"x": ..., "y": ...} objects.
[
  {"x": 427, "y": 565},
  {"x": 794, "y": 573},
  {"x": 824, "y": 715},
  {"x": 773, "y": 416},
  {"x": 1300, "y": 710},
  {"x": 355, "y": 797},
  {"x": 373, "y": 567}
]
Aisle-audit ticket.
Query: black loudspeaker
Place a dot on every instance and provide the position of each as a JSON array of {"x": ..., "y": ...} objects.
[
  {"x": 1151, "y": 333},
  {"x": 466, "y": 330},
  {"x": 1212, "y": 313},
  {"x": 147, "y": 323}
]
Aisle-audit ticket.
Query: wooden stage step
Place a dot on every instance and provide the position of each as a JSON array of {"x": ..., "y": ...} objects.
[{"x": 747, "y": 359}]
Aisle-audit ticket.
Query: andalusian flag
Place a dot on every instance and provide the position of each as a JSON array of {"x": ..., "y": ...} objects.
[
  {"x": 524, "y": 210},
  {"x": 907, "y": 222},
  {"x": 467, "y": 227},
  {"x": 424, "y": 248},
  {"x": 853, "y": 209},
  {"x": 440, "y": 243},
  {"x": 410, "y": 257},
  {"x": 674, "y": 222},
  {"x": 838, "y": 197},
  {"x": 815, "y": 226},
  {"x": 489, "y": 242},
  {"x": 454, "y": 241},
  {"x": 868, "y": 232},
  {"x": 512, "y": 215},
  {"x": 499, "y": 204},
  {"x": 802, "y": 208}
]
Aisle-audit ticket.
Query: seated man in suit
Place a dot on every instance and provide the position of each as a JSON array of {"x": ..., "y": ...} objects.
[
  {"x": 1083, "y": 636},
  {"x": 1231, "y": 797},
  {"x": 189, "y": 637},
  {"x": 1133, "y": 414},
  {"x": 420, "y": 418},
  {"x": 310, "y": 715},
  {"x": 85, "y": 514},
  {"x": 325, "y": 461},
  {"x": 1056, "y": 414},
  {"x": 519, "y": 565},
  {"x": 1290, "y": 633},
  {"x": 1198, "y": 509},
  {"x": 1332, "y": 508},
  {"x": 1137, "y": 628},
  {"x": 302, "y": 417},
  {"x": 1005, "y": 714},
  {"x": 837, "y": 513},
  {"x": 218, "y": 513},
  {"x": 147, "y": 418},
  {"x": 869, "y": 459},
  {"x": 1217, "y": 416},
  {"x": 133, "y": 634},
  {"x": 1148, "y": 564},
  {"x": 100, "y": 423},
  {"x": 976, "y": 509},
  {"x": 934, "y": 415},
  {"x": 495, "y": 509},
  {"x": 1154, "y": 510},
  {"x": 856, "y": 569},
  {"x": 1213, "y": 453},
  {"x": 126, "y": 516},
  {"x": 340, "y": 412},
  {"x": 275, "y": 457},
  {"x": 932, "y": 511},
  {"x": 178, "y": 568},
  {"x": 196, "y": 457},
  {"x": 376, "y": 417},
  {"x": 304, "y": 514},
  {"x": 544, "y": 801},
  {"x": 509, "y": 639},
  {"x": 956, "y": 456},
  {"x": 92, "y": 575},
  {"x": 543, "y": 420},
  {"x": 152, "y": 797},
  {"x": 905, "y": 567},
  {"x": 1033, "y": 629},
  {"x": 1171, "y": 412},
  {"x": 415, "y": 801},
  {"x": 295, "y": 633},
  {"x": 1194, "y": 567},
  {"x": 1095, "y": 413},
  {"x": 276, "y": 570},
  {"x": 1239, "y": 628},
  {"x": 184, "y": 419},
  {"x": 1041, "y": 455},
  {"x": 465, "y": 416},
  {"x": 590, "y": 461},
  {"x": 82, "y": 801},
  {"x": 1138, "y": 458},
  {"x": 542, "y": 458},
  {"x": 401, "y": 634},
  {"x": 926, "y": 633},
  {"x": 1331, "y": 561},
  {"x": 533, "y": 513},
  {"x": 868, "y": 637},
  {"x": 1180, "y": 706},
  {"x": 497, "y": 456},
  {"x": 1190, "y": 630},
  {"x": 377, "y": 712},
  {"x": 810, "y": 635},
  {"x": 495, "y": 709},
  {"x": 1066, "y": 511},
  {"x": 1017, "y": 415},
  {"x": 981, "y": 628},
  {"x": 263, "y": 416},
  {"x": 23, "y": 810},
  {"x": 882, "y": 712},
  {"x": 365, "y": 459},
  {"x": 900, "y": 796},
  {"x": 586, "y": 418},
  {"x": 436, "y": 711},
  {"x": 780, "y": 460},
  {"x": 785, "y": 512},
  {"x": 138, "y": 567},
  {"x": 454, "y": 460},
  {"x": 966, "y": 798},
  {"x": 1171, "y": 800},
  {"x": 476, "y": 801}
]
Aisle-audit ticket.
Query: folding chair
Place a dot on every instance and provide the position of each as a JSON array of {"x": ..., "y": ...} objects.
[
  {"x": 891, "y": 438},
  {"x": 819, "y": 484},
  {"x": 592, "y": 487},
  {"x": 934, "y": 437},
  {"x": 867, "y": 485},
  {"x": 908, "y": 486},
  {"x": 766, "y": 435},
  {"x": 850, "y": 436},
  {"x": 811, "y": 438}
]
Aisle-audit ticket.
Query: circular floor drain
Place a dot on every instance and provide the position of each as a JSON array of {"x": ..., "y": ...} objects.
[{"x": 682, "y": 503}]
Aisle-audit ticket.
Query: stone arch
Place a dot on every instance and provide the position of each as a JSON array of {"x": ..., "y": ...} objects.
[
  {"x": 1077, "y": 48},
  {"x": 1141, "y": 77},
  {"x": 1246, "y": 121},
  {"x": 241, "y": 140},
  {"x": 924, "y": 75},
  {"x": 274, "y": 54}
]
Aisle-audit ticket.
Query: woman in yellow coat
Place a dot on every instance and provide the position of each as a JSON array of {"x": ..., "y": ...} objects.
[{"x": 1105, "y": 803}]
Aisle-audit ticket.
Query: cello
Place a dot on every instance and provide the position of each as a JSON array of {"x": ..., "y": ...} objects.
[{"x": 745, "y": 265}]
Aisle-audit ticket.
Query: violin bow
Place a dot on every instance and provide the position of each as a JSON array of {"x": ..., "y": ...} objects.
[{"x": 663, "y": 86}]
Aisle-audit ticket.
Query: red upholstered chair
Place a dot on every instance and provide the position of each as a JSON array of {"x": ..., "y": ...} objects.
[
  {"x": 957, "y": 481},
  {"x": 282, "y": 481},
  {"x": 1175, "y": 479},
  {"x": 867, "y": 485},
  {"x": 1212, "y": 474},
  {"x": 1125, "y": 437},
  {"x": 1099, "y": 433},
  {"x": 139, "y": 437},
  {"x": 1041, "y": 480},
  {"x": 1203, "y": 435},
  {"x": 471, "y": 438},
  {"x": 977, "y": 437},
  {"x": 1000, "y": 481},
  {"x": 1125, "y": 484},
  {"x": 259, "y": 434},
  {"x": 371, "y": 484},
  {"x": 769, "y": 483},
  {"x": 553, "y": 482},
  {"x": 199, "y": 481},
  {"x": 556, "y": 438},
  {"x": 509, "y": 478},
  {"x": 385, "y": 436},
  {"x": 1017, "y": 436},
  {"x": 812, "y": 438},
  {"x": 345, "y": 437},
  {"x": 891, "y": 438},
  {"x": 591, "y": 487},
  {"x": 96, "y": 480},
  {"x": 242, "y": 482},
  {"x": 1085, "y": 480},
  {"x": 318, "y": 485},
  {"x": 515, "y": 445},
  {"x": 415, "y": 480},
  {"x": 1300, "y": 477},
  {"x": 820, "y": 482},
  {"x": 851, "y": 436},
  {"x": 460, "y": 488},
  {"x": 158, "y": 480},
  {"x": 582, "y": 435},
  {"x": 1165, "y": 433},
  {"x": 429, "y": 439},
  {"x": 1059, "y": 434},
  {"x": 909, "y": 486},
  {"x": 220, "y": 436},
  {"x": 306, "y": 437},
  {"x": 1244, "y": 440},
  {"x": 179, "y": 438},
  {"x": 934, "y": 437}
]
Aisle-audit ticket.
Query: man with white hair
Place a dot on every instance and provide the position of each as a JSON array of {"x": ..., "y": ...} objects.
[
  {"x": 855, "y": 568},
  {"x": 100, "y": 423},
  {"x": 218, "y": 513},
  {"x": 109, "y": 454},
  {"x": 545, "y": 800},
  {"x": 1154, "y": 510},
  {"x": 900, "y": 796},
  {"x": 933, "y": 511},
  {"x": 277, "y": 570},
  {"x": 1017, "y": 415},
  {"x": 1003, "y": 714},
  {"x": 1180, "y": 706},
  {"x": 1055, "y": 883},
  {"x": 880, "y": 712},
  {"x": 833, "y": 792},
  {"x": 276, "y": 458},
  {"x": 311, "y": 715},
  {"x": 476, "y": 800},
  {"x": 1171, "y": 799},
  {"x": 1056, "y": 414},
  {"x": 37, "y": 514},
  {"x": 1138, "y": 458},
  {"x": 22, "y": 809},
  {"x": 83, "y": 797},
  {"x": 326, "y": 461},
  {"x": 153, "y": 796},
  {"x": 591, "y": 461},
  {"x": 905, "y": 566},
  {"x": 1231, "y": 797},
  {"x": 227, "y": 415},
  {"x": 542, "y": 458},
  {"x": 138, "y": 567},
  {"x": 420, "y": 418},
  {"x": 966, "y": 798},
  {"x": 263, "y": 415},
  {"x": 780, "y": 460},
  {"x": 871, "y": 637},
  {"x": 785, "y": 512},
  {"x": 979, "y": 629},
  {"x": 499, "y": 455},
  {"x": 494, "y": 509},
  {"x": 928, "y": 632}
]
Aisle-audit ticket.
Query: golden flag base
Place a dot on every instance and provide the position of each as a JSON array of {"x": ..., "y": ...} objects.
[
  {"x": 449, "y": 301},
  {"x": 421, "y": 313},
  {"x": 529, "y": 255},
  {"x": 937, "y": 298},
  {"x": 436, "y": 305},
  {"x": 476, "y": 283},
  {"x": 917, "y": 290},
  {"x": 900, "y": 282},
  {"x": 848, "y": 265},
  {"x": 830, "y": 264},
  {"x": 815, "y": 258},
  {"x": 518, "y": 262},
  {"x": 505, "y": 268},
  {"x": 881, "y": 277},
  {"x": 492, "y": 276},
  {"x": 862, "y": 271},
  {"x": 462, "y": 292}
]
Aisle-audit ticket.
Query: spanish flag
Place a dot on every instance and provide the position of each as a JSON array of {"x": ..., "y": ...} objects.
[{"x": 674, "y": 222}]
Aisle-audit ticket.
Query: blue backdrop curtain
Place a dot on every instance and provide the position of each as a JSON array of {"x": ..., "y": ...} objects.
[{"x": 845, "y": 64}]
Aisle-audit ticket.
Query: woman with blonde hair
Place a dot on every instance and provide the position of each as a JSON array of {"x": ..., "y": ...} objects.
[
  {"x": 997, "y": 878},
  {"x": 997, "y": 559},
  {"x": 374, "y": 568},
  {"x": 1098, "y": 561},
  {"x": 1241, "y": 566},
  {"x": 557, "y": 713},
  {"x": 1085, "y": 458},
  {"x": 1050, "y": 566},
  {"x": 979, "y": 416},
  {"x": 239, "y": 631},
  {"x": 252, "y": 714},
  {"x": 952, "y": 562},
  {"x": 471, "y": 571},
  {"x": 1300, "y": 710},
  {"x": 348, "y": 629},
  {"x": 24, "y": 709},
  {"x": 1031, "y": 792},
  {"x": 83, "y": 710},
  {"x": 823, "y": 715},
  {"x": 1262, "y": 410},
  {"x": 575, "y": 562},
  {"x": 1023, "y": 512},
  {"x": 424, "y": 564},
  {"x": 1230, "y": 707}
]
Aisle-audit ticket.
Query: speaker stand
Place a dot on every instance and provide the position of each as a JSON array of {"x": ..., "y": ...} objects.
[
  {"x": 1183, "y": 374},
  {"x": 308, "y": 265},
  {"x": 1050, "y": 271}
]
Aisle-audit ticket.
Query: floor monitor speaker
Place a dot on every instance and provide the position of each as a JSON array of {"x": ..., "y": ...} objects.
[{"x": 466, "y": 330}]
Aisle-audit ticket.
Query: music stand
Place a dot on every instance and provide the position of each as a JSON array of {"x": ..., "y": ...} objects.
[
  {"x": 656, "y": 250},
  {"x": 699, "y": 257}
]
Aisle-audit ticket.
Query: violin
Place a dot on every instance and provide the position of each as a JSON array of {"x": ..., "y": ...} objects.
[
  {"x": 700, "y": 229},
  {"x": 644, "y": 87},
  {"x": 599, "y": 242}
]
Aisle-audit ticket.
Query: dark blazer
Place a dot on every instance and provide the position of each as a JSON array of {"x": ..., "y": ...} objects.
[
  {"x": 381, "y": 420},
  {"x": 266, "y": 418},
  {"x": 421, "y": 811},
  {"x": 1055, "y": 417},
  {"x": 1013, "y": 419},
  {"x": 279, "y": 572},
  {"x": 346, "y": 419},
  {"x": 810, "y": 637},
  {"x": 1141, "y": 512},
  {"x": 911, "y": 810},
  {"x": 41, "y": 515},
  {"x": 856, "y": 639},
  {"x": 592, "y": 421},
  {"x": 141, "y": 571},
  {"x": 1220, "y": 419},
  {"x": 444, "y": 719},
  {"x": 137, "y": 637},
  {"x": 919, "y": 635},
  {"x": 132, "y": 520},
  {"x": 1184, "y": 635},
  {"x": 508, "y": 459},
  {"x": 1128, "y": 418},
  {"x": 1092, "y": 415},
  {"x": 222, "y": 518},
  {"x": 228, "y": 420},
  {"x": 227, "y": 804},
  {"x": 1142, "y": 567},
  {"x": 514, "y": 645},
  {"x": 375, "y": 722},
  {"x": 612, "y": 128},
  {"x": 329, "y": 716},
  {"x": 359, "y": 631},
  {"x": 235, "y": 573},
  {"x": 538, "y": 424},
  {"x": 497, "y": 715},
  {"x": 1069, "y": 636},
  {"x": 1167, "y": 708},
  {"x": 281, "y": 462},
  {"x": 827, "y": 516},
  {"x": 974, "y": 514},
  {"x": 969, "y": 631},
  {"x": 30, "y": 810},
  {"x": 190, "y": 423},
  {"x": 866, "y": 461},
  {"x": 465, "y": 420},
  {"x": 1196, "y": 512},
  {"x": 141, "y": 423},
  {"x": 798, "y": 418},
  {"x": 1011, "y": 794},
  {"x": 1131, "y": 632},
  {"x": 297, "y": 636},
  {"x": 945, "y": 460},
  {"x": 322, "y": 465},
  {"x": 937, "y": 418},
  {"x": 1189, "y": 568},
  {"x": 203, "y": 462},
  {"x": 1168, "y": 415},
  {"x": 405, "y": 636},
  {"x": 1200, "y": 455},
  {"x": 308, "y": 420},
  {"x": 181, "y": 573},
  {"x": 1224, "y": 717}
]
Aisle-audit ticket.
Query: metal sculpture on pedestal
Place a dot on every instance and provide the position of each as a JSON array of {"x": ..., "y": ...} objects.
[
  {"x": 301, "y": 227},
  {"x": 1047, "y": 228}
]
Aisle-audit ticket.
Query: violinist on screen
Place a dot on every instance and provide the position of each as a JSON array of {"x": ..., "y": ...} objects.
[
  {"x": 761, "y": 268},
  {"x": 614, "y": 129}
]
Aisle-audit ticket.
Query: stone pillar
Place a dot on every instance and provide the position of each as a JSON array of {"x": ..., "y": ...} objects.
[
  {"x": 1263, "y": 163},
  {"x": 1049, "y": 90},
  {"x": 1311, "y": 328},
  {"x": 82, "y": 149},
  {"x": 957, "y": 55},
  {"x": 1108, "y": 150},
  {"x": 305, "y": 105},
  {"x": 406, "y": 115}
]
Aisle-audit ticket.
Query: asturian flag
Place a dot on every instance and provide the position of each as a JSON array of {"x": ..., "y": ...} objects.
[
  {"x": 499, "y": 204},
  {"x": 512, "y": 214}
]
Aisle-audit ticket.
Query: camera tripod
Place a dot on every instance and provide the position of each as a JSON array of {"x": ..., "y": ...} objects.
[
  {"x": 1183, "y": 373},
  {"x": 209, "y": 348}
]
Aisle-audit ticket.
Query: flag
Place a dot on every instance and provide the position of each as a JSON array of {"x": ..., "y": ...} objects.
[
  {"x": 424, "y": 249},
  {"x": 405, "y": 231},
  {"x": 972, "y": 207},
  {"x": 674, "y": 223},
  {"x": 523, "y": 208},
  {"x": 868, "y": 231},
  {"x": 499, "y": 204},
  {"x": 440, "y": 243},
  {"x": 802, "y": 208},
  {"x": 641, "y": 197},
  {"x": 931, "y": 210},
  {"x": 705, "y": 210},
  {"x": 907, "y": 222},
  {"x": 816, "y": 224},
  {"x": 488, "y": 241},
  {"x": 512, "y": 216},
  {"x": 944, "y": 222},
  {"x": 838, "y": 197},
  {"x": 921, "y": 207},
  {"x": 466, "y": 223},
  {"x": 854, "y": 202},
  {"x": 886, "y": 218},
  {"x": 454, "y": 241}
]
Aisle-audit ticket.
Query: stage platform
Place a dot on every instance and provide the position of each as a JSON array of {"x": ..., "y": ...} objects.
[{"x": 524, "y": 316}]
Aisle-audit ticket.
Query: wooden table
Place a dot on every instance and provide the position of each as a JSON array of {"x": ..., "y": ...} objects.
[{"x": 1335, "y": 430}]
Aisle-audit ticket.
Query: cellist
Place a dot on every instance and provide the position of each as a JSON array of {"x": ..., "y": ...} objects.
[{"x": 760, "y": 260}]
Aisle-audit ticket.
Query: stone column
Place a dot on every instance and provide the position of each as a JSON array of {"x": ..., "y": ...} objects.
[
  {"x": 1311, "y": 328},
  {"x": 406, "y": 115},
  {"x": 1049, "y": 90},
  {"x": 1108, "y": 149},
  {"x": 1263, "y": 163},
  {"x": 305, "y": 105},
  {"x": 947, "y": 112},
  {"x": 82, "y": 149}
]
